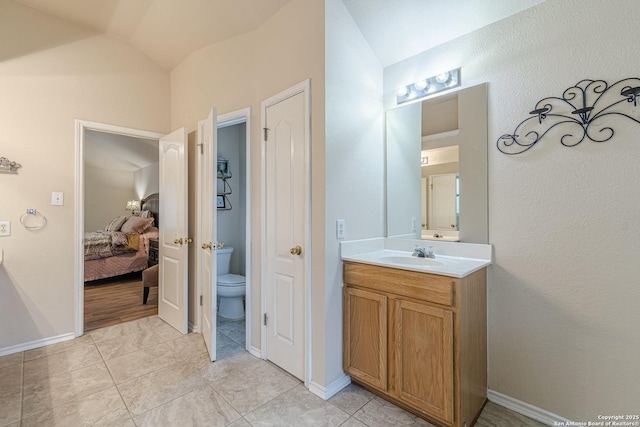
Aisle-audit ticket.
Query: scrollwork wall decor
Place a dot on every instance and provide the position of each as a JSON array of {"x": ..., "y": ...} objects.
[
  {"x": 574, "y": 113},
  {"x": 7, "y": 166}
]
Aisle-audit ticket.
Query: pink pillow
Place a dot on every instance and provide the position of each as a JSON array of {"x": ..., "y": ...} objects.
[{"x": 136, "y": 224}]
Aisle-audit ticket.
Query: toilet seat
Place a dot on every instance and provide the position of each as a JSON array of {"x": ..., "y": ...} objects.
[{"x": 230, "y": 280}]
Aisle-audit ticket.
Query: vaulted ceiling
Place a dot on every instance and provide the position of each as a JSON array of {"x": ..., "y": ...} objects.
[{"x": 170, "y": 30}]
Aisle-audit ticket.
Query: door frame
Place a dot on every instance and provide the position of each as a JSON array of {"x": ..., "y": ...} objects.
[
  {"x": 303, "y": 87},
  {"x": 223, "y": 120},
  {"x": 81, "y": 127}
]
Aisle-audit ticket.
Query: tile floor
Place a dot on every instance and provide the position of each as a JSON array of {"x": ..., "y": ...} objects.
[{"x": 144, "y": 373}]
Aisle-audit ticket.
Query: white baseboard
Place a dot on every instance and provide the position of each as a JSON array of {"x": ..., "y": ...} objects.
[
  {"x": 255, "y": 352},
  {"x": 526, "y": 409},
  {"x": 36, "y": 344},
  {"x": 327, "y": 392}
]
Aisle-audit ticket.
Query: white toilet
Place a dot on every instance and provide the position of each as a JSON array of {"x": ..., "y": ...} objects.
[{"x": 231, "y": 287}]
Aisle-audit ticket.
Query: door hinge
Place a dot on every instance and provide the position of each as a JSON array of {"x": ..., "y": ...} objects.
[
  {"x": 201, "y": 148},
  {"x": 265, "y": 319},
  {"x": 265, "y": 133},
  {"x": 200, "y": 299}
]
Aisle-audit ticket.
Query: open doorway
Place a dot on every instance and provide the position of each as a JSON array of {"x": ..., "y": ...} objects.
[{"x": 116, "y": 194}]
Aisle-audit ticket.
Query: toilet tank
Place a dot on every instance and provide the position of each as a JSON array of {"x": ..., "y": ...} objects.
[{"x": 223, "y": 260}]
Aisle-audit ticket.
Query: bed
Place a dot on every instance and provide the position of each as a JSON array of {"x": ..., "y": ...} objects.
[{"x": 123, "y": 247}]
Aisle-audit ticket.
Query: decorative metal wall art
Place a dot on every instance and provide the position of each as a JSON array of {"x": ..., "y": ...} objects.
[
  {"x": 577, "y": 114},
  {"x": 7, "y": 166}
]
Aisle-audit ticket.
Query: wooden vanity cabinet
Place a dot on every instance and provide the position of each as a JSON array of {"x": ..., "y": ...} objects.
[{"x": 418, "y": 340}]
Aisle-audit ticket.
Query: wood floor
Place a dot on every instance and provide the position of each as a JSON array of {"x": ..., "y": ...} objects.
[{"x": 108, "y": 302}]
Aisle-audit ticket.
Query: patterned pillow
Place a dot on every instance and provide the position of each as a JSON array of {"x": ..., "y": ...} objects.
[
  {"x": 136, "y": 224},
  {"x": 116, "y": 223}
]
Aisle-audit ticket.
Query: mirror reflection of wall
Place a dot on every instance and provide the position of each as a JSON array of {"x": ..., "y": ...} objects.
[{"x": 422, "y": 142}]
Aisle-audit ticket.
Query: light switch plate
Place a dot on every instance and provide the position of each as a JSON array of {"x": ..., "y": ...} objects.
[{"x": 5, "y": 228}]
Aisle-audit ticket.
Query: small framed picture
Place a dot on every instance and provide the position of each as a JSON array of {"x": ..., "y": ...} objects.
[
  {"x": 223, "y": 168},
  {"x": 220, "y": 202}
]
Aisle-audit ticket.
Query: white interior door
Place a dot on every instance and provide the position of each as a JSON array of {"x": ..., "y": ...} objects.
[
  {"x": 442, "y": 203},
  {"x": 207, "y": 236},
  {"x": 285, "y": 232},
  {"x": 172, "y": 278}
]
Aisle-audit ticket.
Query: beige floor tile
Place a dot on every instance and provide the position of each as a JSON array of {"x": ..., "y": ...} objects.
[
  {"x": 11, "y": 359},
  {"x": 61, "y": 363},
  {"x": 351, "y": 398},
  {"x": 141, "y": 362},
  {"x": 230, "y": 350},
  {"x": 199, "y": 407},
  {"x": 188, "y": 346},
  {"x": 126, "y": 344},
  {"x": 117, "y": 331},
  {"x": 380, "y": 413},
  {"x": 49, "y": 350},
  {"x": 239, "y": 423},
  {"x": 152, "y": 390},
  {"x": 222, "y": 339},
  {"x": 151, "y": 322},
  {"x": 166, "y": 332},
  {"x": 247, "y": 382},
  {"x": 44, "y": 395},
  {"x": 496, "y": 416},
  {"x": 10, "y": 394},
  {"x": 353, "y": 422},
  {"x": 297, "y": 407},
  {"x": 102, "y": 409},
  {"x": 235, "y": 330}
]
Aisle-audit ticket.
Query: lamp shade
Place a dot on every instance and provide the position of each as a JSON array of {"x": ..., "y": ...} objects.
[{"x": 133, "y": 205}]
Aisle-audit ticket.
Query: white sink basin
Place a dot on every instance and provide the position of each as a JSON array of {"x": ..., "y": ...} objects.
[{"x": 410, "y": 260}]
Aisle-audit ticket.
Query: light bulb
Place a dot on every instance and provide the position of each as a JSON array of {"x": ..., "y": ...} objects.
[
  {"x": 421, "y": 84},
  {"x": 442, "y": 78},
  {"x": 403, "y": 91}
]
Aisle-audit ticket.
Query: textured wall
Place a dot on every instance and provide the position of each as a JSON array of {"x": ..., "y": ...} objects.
[
  {"x": 52, "y": 73},
  {"x": 563, "y": 292}
]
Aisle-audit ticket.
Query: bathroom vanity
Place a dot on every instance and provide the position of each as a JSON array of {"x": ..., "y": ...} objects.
[{"x": 415, "y": 332}]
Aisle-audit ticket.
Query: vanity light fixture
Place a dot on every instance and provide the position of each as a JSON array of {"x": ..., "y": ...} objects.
[
  {"x": 426, "y": 87},
  {"x": 133, "y": 205}
]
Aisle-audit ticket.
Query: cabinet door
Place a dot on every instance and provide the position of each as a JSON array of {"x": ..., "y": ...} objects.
[
  {"x": 365, "y": 336},
  {"x": 424, "y": 358}
]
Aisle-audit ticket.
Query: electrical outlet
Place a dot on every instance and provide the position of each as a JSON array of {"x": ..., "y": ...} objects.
[
  {"x": 340, "y": 228},
  {"x": 5, "y": 228},
  {"x": 57, "y": 198}
]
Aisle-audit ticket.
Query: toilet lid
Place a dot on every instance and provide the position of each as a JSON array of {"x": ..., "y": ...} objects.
[{"x": 230, "y": 280}]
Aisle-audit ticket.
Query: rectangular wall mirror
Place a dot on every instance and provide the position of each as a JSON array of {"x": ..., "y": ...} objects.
[{"x": 436, "y": 185}]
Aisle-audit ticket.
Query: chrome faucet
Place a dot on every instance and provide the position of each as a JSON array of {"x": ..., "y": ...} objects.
[
  {"x": 423, "y": 253},
  {"x": 419, "y": 252}
]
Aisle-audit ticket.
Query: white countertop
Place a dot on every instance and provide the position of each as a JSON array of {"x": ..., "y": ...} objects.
[{"x": 451, "y": 259}]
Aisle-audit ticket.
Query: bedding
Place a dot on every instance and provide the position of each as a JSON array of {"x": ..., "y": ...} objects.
[
  {"x": 123, "y": 263},
  {"x": 123, "y": 247}
]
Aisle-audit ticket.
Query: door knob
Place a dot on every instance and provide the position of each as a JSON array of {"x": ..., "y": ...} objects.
[
  {"x": 220, "y": 245},
  {"x": 206, "y": 246},
  {"x": 296, "y": 251},
  {"x": 178, "y": 241},
  {"x": 188, "y": 240}
]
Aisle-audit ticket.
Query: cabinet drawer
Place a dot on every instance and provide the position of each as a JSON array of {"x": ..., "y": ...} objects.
[{"x": 423, "y": 286}]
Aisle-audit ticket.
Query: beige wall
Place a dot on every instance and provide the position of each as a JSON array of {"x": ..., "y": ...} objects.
[
  {"x": 106, "y": 193},
  {"x": 146, "y": 181},
  {"x": 51, "y": 74},
  {"x": 242, "y": 72},
  {"x": 563, "y": 292}
]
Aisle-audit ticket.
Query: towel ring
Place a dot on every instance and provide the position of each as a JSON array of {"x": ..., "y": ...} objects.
[{"x": 43, "y": 220}]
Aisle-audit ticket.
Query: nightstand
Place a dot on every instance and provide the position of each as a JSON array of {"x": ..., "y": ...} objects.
[{"x": 153, "y": 251}]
